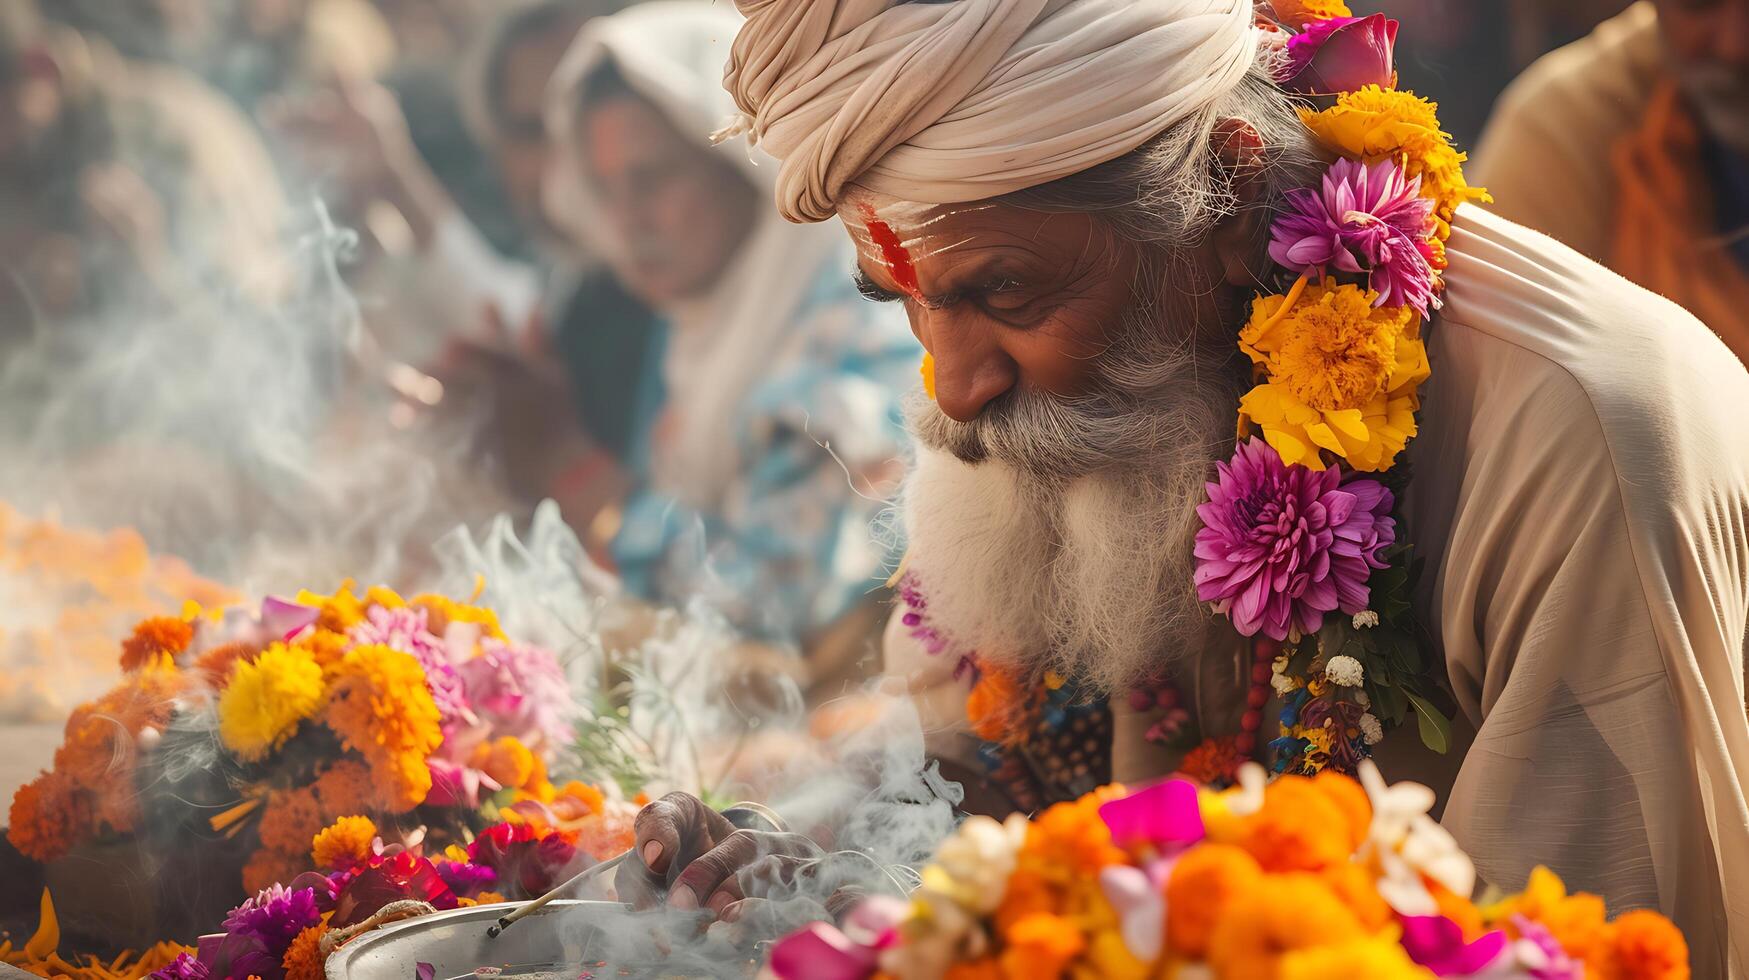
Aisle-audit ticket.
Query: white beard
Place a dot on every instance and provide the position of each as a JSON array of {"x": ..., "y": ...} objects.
[{"x": 1090, "y": 577}]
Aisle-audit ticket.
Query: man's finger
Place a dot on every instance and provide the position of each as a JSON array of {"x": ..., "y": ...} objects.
[
  {"x": 703, "y": 876},
  {"x": 675, "y": 829}
]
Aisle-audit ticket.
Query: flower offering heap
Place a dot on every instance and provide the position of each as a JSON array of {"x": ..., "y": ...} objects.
[
  {"x": 346, "y": 716},
  {"x": 1309, "y": 878}
]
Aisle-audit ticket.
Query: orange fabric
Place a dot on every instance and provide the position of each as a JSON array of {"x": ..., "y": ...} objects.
[{"x": 1664, "y": 235}]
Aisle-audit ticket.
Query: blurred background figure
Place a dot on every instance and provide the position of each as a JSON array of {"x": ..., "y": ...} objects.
[
  {"x": 121, "y": 181},
  {"x": 1632, "y": 145},
  {"x": 767, "y": 419}
]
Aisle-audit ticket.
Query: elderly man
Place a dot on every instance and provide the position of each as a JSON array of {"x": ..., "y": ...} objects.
[
  {"x": 1632, "y": 146},
  {"x": 1073, "y": 200}
]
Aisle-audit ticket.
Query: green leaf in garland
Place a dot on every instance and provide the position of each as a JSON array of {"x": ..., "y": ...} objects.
[{"x": 1435, "y": 727}]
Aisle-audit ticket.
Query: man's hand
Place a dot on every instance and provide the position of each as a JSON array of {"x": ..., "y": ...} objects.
[{"x": 689, "y": 857}]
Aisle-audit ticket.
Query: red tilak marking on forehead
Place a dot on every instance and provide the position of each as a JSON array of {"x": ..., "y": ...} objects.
[{"x": 893, "y": 253}]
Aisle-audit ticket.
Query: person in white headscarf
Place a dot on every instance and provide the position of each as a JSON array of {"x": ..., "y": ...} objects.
[
  {"x": 1071, "y": 199},
  {"x": 770, "y": 416}
]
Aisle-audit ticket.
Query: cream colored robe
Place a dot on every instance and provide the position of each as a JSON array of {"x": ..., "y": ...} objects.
[{"x": 1581, "y": 498}]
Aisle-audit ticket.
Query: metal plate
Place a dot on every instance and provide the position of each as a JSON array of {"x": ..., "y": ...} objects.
[{"x": 561, "y": 941}]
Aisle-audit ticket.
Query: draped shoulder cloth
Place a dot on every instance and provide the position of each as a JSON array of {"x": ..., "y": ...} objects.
[{"x": 949, "y": 102}]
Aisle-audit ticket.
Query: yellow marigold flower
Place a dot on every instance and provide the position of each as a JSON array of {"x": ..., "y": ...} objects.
[
  {"x": 441, "y": 611},
  {"x": 927, "y": 370},
  {"x": 265, "y": 699},
  {"x": 339, "y": 612},
  {"x": 1299, "y": 13},
  {"x": 1341, "y": 376},
  {"x": 343, "y": 843},
  {"x": 1374, "y": 123},
  {"x": 382, "y": 595},
  {"x": 1378, "y": 958},
  {"x": 381, "y": 708}
]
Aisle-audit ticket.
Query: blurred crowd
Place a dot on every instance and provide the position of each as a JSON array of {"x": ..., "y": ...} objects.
[{"x": 548, "y": 242}]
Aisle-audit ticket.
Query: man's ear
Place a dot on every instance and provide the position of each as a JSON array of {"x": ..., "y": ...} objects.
[{"x": 1238, "y": 151}]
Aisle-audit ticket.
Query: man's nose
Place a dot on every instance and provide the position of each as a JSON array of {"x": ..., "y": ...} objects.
[{"x": 971, "y": 368}]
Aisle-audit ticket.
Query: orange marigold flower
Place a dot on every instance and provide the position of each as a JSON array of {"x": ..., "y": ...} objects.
[
  {"x": 1071, "y": 839},
  {"x": 1276, "y": 914},
  {"x": 215, "y": 665},
  {"x": 1299, "y": 13},
  {"x": 997, "y": 707},
  {"x": 590, "y": 799},
  {"x": 1028, "y": 894},
  {"x": 158, "y": 635},
  {"x": 343, "y": 843},
  {"x": 1580, "y": 924},
  {"x": 1347, "y": 794},
  {"x": 1293, "y": 830},
  {"x": 984, "y": 969},
  {"x": 506, "y": 760},
  {"x": 1358, "y": 888},
  {"x": 1041, "y": 946},
  {"x": 346, "y": 787},
  {"x": 1203, "y": 882},
  {"x": 268, "y": 867},
  {"x": 1642, "y": 945},
  {"x": 49, "y": 817},
  {"x": 381, "y": 708},
  {"x": 291, "y": 820},
  {"x": 1216, "y": 760},
  {"x": 303, "y": 958}
]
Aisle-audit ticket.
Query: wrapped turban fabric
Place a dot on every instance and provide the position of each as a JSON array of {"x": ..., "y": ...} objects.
[{"x": 948, "y": 102}]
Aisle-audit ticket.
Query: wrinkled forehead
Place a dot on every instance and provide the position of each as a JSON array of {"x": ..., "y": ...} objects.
[{"x": 879, "y": 222}]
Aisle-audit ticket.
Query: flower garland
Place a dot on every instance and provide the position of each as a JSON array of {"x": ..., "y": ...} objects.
[
  {"x": 1321, "y": 878},
  {"x": 1299, "y": 542}
]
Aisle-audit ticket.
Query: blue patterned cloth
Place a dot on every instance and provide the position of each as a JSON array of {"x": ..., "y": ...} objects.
[{"x": 793, "y": 545}]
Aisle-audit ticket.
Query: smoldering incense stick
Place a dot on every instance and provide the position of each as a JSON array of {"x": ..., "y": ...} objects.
[{"x": 529, "y": 908}]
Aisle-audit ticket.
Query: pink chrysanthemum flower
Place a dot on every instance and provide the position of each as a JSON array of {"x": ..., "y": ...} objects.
[
  {"x": 1283, "y": 545},
  {"x": 1365, "y": 219}
]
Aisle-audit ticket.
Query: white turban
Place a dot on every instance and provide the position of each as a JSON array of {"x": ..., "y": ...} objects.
[{"x": 948, "y": 102}]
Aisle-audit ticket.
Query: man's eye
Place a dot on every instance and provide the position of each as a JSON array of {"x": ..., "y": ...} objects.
[{"x": 1008, "y": 295}]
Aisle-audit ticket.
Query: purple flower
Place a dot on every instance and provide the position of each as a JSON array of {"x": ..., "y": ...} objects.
[
  {"x": 520, "y": 691},
  {"x": 274, "y": 917},
  {"x": 183, "y": 967},
  {"x": 1437, "y": 943},
  {"x": 1366, "y": 219},
  {"x": 464, "y": 878},
  {"x": 1342, "y": 54},
  {"x": 1283, "y": 545},
  {"x": 406, "y": 630}
]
